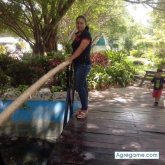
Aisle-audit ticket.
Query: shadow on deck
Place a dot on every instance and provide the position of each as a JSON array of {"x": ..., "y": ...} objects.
[{"x": 119, "y": 120}]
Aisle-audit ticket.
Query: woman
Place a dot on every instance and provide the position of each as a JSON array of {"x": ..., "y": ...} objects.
[{"x": 81, "y": 60}]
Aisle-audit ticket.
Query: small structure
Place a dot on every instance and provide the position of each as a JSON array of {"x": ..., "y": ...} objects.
[{"x": 101, "y": 44}]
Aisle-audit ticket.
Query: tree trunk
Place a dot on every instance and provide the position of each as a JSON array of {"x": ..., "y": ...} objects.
[
  {"x": 40, "y": 47},
  {"x": 51, "y": 44}
]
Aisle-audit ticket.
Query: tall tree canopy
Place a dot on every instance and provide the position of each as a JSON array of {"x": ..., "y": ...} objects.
[
  {"x": 155, "y": 4},
  {"x": 158, "y": 26},
  {"x": 105, "y": 16},
  {"x": 36, "y": 21}
]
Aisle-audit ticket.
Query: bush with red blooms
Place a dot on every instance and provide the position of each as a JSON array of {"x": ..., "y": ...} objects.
[
  {"x": 99, "y": 59},
  {"x": 54, "y": 62},
  {"x": 37, "y": 70}
]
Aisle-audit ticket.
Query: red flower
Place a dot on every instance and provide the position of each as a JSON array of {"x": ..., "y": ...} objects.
[
  {"x": 99, "y": 59},
  {"x": 55, "y": 62}
]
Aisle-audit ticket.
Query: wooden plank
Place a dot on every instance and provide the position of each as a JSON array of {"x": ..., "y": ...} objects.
[{"x": 110, "y": 127}]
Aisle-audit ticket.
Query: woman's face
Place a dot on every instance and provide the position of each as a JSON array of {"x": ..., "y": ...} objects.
[{"x": 80, "y": 24}]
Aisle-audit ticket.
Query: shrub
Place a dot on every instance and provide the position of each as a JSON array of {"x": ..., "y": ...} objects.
[
  {"x": 54, "y": 62},
  {"x": 56, "y": 89},
  {"x": 150, "y": 55},
  {"x": 4, "y": 79},
  {"x": 20, "y": 74},
  {"x": 2, "y": 49},
  {"x": 160, "y": 53},
  {"x": 161, "y": 64},
  {"x": 37, "y": 71},
  {"x": 58, "y": 54},
  {"x": 122, "y": 74},
  {"x": 99, "y": 59},
  {"x": 136, "y": 53},
  {"x": 116, "y": 56},
  {"x": 102, "y": 75},
  {"x": 22, "y": 88},
  {"x": 98, "y": 78},
  {"x": 6, "y": 62}
]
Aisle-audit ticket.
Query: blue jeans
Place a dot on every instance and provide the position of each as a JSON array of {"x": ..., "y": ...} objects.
[{"x": 81, "y": 71}]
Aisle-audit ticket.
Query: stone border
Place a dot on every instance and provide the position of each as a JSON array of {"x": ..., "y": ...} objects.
[{"x": 42, "y": 94}]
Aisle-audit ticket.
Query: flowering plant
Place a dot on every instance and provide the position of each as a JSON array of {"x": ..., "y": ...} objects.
[
  {"x": 99, "y": 59},
  {"x": 54, "y": 62}
]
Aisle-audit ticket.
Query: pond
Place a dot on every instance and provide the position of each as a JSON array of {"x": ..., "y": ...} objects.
[{"x": 29, "y": 135}]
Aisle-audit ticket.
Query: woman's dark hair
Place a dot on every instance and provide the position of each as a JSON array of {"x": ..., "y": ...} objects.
[{"x": 85, "y": 20}]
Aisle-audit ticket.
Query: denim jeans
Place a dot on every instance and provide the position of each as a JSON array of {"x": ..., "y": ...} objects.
[{"x": 81, "y": 71}]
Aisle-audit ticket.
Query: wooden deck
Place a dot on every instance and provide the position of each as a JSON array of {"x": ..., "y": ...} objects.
[{"x": 116, "y": 122}]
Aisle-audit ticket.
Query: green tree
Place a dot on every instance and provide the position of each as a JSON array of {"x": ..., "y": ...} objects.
[
  {"x": 35, "y": 21},
  {"x": 155, "y": 4},
  {"x": 104, "y": 16},
  {"x": 128, "y": 44},
  {"x": 158, "y": 26}
]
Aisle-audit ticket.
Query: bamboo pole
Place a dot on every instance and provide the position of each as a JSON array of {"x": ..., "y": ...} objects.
[{"x": 5, "y": 115}]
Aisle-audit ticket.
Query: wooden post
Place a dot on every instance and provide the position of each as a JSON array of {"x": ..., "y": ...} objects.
[
  {"x": 145, "y": 76},
  {"x": 4, "y": 116}
]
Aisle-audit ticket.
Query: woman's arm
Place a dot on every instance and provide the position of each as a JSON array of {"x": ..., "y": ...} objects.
[
  {"x": 73, "y": 37},
  {"x": 80, "y": 49}
]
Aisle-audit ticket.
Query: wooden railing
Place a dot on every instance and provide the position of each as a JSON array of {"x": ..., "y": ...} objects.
[{"x": 5, "y": 115}]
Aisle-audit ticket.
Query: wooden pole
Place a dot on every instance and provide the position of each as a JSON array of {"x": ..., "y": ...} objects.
[{"x": 5, "y": 115}]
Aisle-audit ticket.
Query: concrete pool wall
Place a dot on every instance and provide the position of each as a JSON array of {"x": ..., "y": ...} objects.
[{"x": 37, "y": 118}]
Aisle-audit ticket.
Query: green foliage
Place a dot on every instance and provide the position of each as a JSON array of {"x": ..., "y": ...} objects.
[
  {"x": 6, "y": 61},
  {"x": 26, "y": 72},
  {"x": 128, "y": 44},
  {"x": 119, "y": 73},
  {"x": 161, "y": 64},
  {"x": 116, "y": 56},
  {"x": 56, "y": 89},
  {"x": 2, "y": 50},
  {"x": 144, "y": 43},
  {"x": 160, "y": 53},
  {"x": 136, "y": 53},
  {"x": 4, "y": 79},
  {"x": 150, "y": 55},
  {"x": 158, "y": 33},
  {"x": 105, "y": 16},
  {"x": 98, "y": 78},
  {"x": 34, "y": 21},
  {"x": 22, "y": 88},
  {"x": 122, "y": 73}
]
